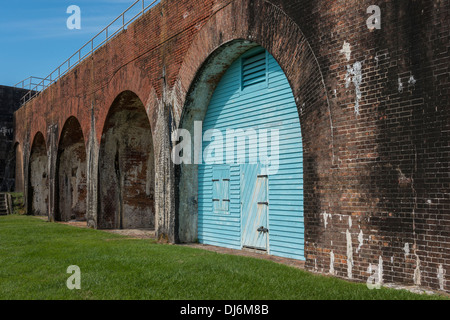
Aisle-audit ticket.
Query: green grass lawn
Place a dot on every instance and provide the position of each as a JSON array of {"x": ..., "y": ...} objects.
[{"x": 34, "y": 256}]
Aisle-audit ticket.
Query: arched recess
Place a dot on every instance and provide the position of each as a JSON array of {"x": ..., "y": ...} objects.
[
  {"x": 71, "y": 184},
  {"x": 18, "y": 169},
  {"x": 224, "y": 38},
  {"x": 243, "y": 197},
  {"x": 38, "y": 192},
  {"x": 126, "y": 167}
]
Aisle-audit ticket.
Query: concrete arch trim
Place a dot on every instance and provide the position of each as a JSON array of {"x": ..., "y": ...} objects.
[{"x": 64, "y": 127}]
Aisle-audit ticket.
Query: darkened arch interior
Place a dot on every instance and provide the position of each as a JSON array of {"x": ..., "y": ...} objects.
[
  {"x": 195, "y": 108},
  {"x": 38, "y": 192},
  {"x": 126, "y": 167},
  {"x": 71, "y": 180}
]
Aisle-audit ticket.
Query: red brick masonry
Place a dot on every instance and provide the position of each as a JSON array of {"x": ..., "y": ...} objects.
[{"x": 373, "y": 106}]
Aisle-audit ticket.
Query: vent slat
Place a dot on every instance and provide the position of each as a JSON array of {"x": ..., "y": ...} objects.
[
  {"x": 254, "y": 70},
  {"x": 261, "y": 74},
  {"x": 258, "y": 63},
  {"x": 255, "y": 57}
]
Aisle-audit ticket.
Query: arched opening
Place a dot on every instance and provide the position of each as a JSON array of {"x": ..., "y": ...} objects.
[
  {"x": 71, "y": 186},
  {"x": 126, "y": 167},
  {"x": 243, "y": 202},
  {"x": 38, "y": 191},
  {"x": 18, "y": 169}
]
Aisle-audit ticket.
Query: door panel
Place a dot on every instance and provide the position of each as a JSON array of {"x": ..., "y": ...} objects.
[
  {"x": 221, "y": 189},
  {"x": 254, "y": 207}
]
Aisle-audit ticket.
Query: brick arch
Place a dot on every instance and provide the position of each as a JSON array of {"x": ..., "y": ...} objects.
[
  {"x": 225, "y": 36},
  {"x": 37, "y": 143},
  {"x": 128, "y": 78},
  {"x": 286, "y": 42},
  {"x": 73, "y": 118}
]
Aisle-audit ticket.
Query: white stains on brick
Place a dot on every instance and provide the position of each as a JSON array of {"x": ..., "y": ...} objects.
[
  {"x": 354, "y": 75},
  {"x": 6, "y": 131},
  {"x": 406, "y": 249},
  {"x": 349, "y": 222},
  {"x": 360, "y": 240},
  {"x": 346, "y": 50},
  {"x": 332, "y": 262},
  {"x": 375, "y": 279},
  {"x": 325, "y": 218},
  {"x": 380, "y": 270},
  {"x": 349, "y": 255},
  {"x": 441, "y": 277},
  {"x": 412, "y": 81},
  {"x": 372, "y": 280},
  {"x": 417, "y": 274}
]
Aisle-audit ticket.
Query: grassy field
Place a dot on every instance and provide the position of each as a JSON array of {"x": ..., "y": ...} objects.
[{"x": 34, "y": 256}]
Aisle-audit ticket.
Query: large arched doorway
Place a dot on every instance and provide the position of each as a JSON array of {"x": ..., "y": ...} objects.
[
  {"x": 126, "y": 167},
  {"x": 71, "y": 173},
  {"x": 38, "y": 191},
  {"x": 250, "y": 181}
]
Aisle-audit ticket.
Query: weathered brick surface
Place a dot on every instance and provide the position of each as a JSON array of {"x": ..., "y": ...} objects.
[{"x": 376, "y": 183}]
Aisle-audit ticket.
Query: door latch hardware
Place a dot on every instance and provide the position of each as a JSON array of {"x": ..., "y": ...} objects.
[{"x": 262, "y": 229}]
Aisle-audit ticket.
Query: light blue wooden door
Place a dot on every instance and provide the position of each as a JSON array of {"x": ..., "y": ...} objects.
[
  {"x": 253, "y": 94},
  {"x": 254, "y": 207}
]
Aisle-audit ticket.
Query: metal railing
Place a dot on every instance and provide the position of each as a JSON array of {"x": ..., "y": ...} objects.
[
  {"x": 109, "y": 32},
  {"x": 30, "y": 82}
]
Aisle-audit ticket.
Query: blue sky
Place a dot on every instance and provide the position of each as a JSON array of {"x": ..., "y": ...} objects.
[{"x": 34, "y": 38}]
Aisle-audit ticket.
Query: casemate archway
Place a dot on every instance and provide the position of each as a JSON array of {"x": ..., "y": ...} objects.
[
  {"x": 38, "y": 192},
  {"x": 126, "y": 167}
]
